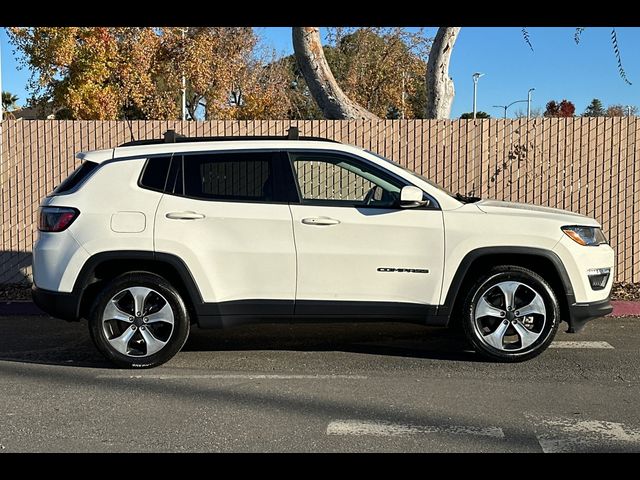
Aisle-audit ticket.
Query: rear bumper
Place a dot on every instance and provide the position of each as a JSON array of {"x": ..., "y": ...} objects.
[
  {"x": 581, "y": 313},
  {"x": 57, "y": 304}
]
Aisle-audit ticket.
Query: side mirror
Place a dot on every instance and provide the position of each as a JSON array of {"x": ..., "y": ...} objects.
[{"x": 411, "y": 197}]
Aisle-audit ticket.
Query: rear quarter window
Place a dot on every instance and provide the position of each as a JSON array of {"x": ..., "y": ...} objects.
[
  {"x": 76, "y": 178},
  {"x": 154, "y": 174}
]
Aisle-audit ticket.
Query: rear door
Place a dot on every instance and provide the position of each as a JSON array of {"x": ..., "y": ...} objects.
[{"x": 225, "y": 216}]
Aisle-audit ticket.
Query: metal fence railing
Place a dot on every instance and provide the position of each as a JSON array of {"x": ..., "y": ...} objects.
[{"x": 587, "y": 165}]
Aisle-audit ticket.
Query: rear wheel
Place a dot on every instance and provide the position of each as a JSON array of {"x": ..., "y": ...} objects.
[
  {"x": 139, "y": 320},
  {"x": 511, "y": 314}
]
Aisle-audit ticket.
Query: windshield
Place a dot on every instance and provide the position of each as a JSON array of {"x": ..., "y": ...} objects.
[{"x": 421, "y": 177}]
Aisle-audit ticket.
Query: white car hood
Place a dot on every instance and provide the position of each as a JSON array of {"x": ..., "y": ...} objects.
[{"x": 522, "y": 209}]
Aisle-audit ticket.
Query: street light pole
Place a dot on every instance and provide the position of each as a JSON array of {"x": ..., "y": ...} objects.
[
  {"x": 507, "y": 106},
  {"x": 529, "y": 103},
  {"x": 475, "y": 77},
  {"x": 505, "y": 109}
]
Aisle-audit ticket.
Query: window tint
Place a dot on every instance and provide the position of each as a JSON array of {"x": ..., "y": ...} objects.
[
  {"x": 155, "y": 171},
  {"x": 331, "y": 179},
  {"x": 78, "y": 175},
  {"x": 225, "y": 176}
]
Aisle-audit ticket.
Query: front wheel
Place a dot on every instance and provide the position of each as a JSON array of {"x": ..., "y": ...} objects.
[
  {"x": 511, "y": 314},
  {"x": 139, "y": 321}
]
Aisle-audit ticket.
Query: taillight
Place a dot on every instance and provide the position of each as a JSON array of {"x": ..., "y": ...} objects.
[{"x": 56, "y": 219}]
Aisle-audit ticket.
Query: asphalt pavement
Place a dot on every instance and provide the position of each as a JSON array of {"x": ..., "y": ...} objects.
[{"x": 319, "y": 388}]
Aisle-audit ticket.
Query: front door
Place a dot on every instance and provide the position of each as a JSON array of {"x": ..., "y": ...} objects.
[{"x": 358, "y": 252}]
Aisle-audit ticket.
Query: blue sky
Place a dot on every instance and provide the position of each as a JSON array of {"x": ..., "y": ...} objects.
[{"x": 557, "y": 68}]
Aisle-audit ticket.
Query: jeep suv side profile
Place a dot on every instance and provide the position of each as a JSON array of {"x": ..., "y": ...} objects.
[{"x": 148, "y": 238}]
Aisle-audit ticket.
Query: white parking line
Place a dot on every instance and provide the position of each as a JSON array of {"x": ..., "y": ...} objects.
[
  {"x": 388, "y": 429},
  {"x": 236, "y": 377},
  {"x": 562, "y": 344},
  {"x": 564, "y": 435}
]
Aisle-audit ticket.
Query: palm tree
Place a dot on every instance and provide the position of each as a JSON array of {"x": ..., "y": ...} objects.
[{"x": 9, "y": 101}]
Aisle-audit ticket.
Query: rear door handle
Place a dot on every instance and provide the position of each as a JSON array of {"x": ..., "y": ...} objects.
[
  {"x": 320, "y": 221},
  {"x": 184, "y": 215}
]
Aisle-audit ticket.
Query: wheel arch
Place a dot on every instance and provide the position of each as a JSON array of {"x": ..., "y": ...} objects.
[
  {"x": 544, "y": 262},
  {"x": 105, "y": 266}
]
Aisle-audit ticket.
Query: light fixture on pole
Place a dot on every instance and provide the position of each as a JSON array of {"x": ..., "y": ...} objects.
[
  {"x": 507, "y": 106},
  {"x": 529, "y": 103},
  {"x": 475, "y": 77}
]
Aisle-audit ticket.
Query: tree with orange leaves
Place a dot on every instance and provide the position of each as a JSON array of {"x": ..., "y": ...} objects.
[{"x": 111, "y": 73}]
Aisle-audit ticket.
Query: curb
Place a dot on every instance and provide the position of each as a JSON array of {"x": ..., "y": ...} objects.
[{"x": 621, "y": 308}]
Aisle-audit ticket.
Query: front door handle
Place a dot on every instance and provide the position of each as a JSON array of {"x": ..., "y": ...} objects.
[
  {"x": 320, "y": 221},
  {"x": 184, "y": 215}
]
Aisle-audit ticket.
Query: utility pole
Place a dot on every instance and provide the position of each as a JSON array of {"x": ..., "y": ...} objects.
[
  {"x": 1, "y": 105},
  {"x": 402, "y": 114},
  {"x": 529, "y": 103},
  {"x": 475, "y": 77},
  {"x": 184, "y": 85}
]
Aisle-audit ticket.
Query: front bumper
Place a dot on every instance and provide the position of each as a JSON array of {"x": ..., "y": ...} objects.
[
  {"x": 57, "y": 304},
  {"x": 581, "y": 313}
]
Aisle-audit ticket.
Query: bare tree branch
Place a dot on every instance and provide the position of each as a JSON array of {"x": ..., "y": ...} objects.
[
  {"x": 333, "y": 102},
  {"x": 440, "y": 89}
]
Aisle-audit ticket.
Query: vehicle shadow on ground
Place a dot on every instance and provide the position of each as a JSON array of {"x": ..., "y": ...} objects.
[
  {"x": 392, "y": 339},
  {"x": 44, "y": 340}
]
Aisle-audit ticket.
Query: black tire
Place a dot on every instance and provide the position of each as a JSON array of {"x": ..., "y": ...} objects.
[
  {"x": 138, "y": 356},
  {"x": 478, "y": 330}
]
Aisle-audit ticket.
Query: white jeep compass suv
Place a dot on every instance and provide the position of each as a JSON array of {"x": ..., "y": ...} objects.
[{"x": 148, "y": 238}]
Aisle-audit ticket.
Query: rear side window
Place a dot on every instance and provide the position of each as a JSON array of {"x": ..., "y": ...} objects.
[
  {"x": 76, "y": 178},
  {"x": 235, "y": 176},
  {"x": 155, "y": 172}
]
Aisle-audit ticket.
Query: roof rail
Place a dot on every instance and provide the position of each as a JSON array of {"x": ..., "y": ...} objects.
[{"x": 170, "y": 136}]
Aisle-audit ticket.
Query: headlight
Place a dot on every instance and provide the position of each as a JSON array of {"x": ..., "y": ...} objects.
[{"x": 589, "y": 236}]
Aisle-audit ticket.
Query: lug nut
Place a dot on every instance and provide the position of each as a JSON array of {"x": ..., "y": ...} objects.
[
  {"x": 142, "y": 328},
  {"x": 517, "y": 313},
  {"x": 506, "y": 322},
  {"x": 137, "y": 314},
  {"x": 502, "y": 314},
  {"x": 512, "y": 321},
  {"x": 131, "y": 319},
  {"x": 133, "y": 327},
  {"x": 145, "y": 319}
]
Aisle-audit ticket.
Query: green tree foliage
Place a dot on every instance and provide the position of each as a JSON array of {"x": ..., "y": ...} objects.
[
  {"x": 8, "y": 101},
  {"x": 480, "y": 114},
  {"x": 594, "y": 109}
]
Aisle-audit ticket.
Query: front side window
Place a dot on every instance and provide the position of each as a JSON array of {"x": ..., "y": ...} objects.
[
  {"x": 334, "y": 179},
  {"x": 235, "y": 176}
]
